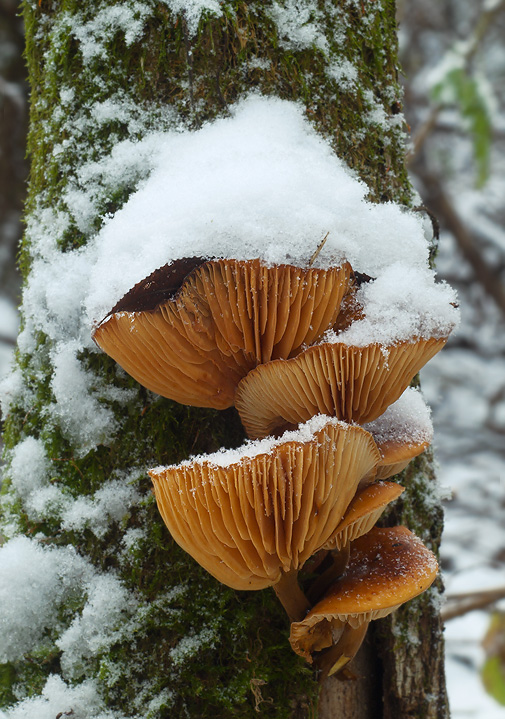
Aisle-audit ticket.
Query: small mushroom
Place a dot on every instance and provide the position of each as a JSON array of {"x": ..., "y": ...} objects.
[
  {"x": 191, "y": 333},
  {"x": 253, "y": 517},
  {"x": 387, "y": 567},
  {"x": 364, "y": 512},
  {"x": 361, "y": 515},
  {"x": 403, "y": 432},
  {"x": 355, "y": 384}
]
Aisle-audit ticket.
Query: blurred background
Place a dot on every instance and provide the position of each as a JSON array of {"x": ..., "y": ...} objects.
[
  {"x": 13, "y": 169},
  {"x": 453, "y": 60}
]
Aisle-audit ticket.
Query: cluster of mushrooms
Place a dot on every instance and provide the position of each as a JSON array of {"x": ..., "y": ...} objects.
[{"x": 305, "y": 495}]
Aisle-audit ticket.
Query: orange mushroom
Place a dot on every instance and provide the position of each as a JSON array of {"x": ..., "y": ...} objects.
[
  {"x": 361, "y": 515},
  {"x": 254, "y": 518},
  {"x": 387, "y": 567},
  {"x": 193, "y": 329},
  {"x": 355, "y": 384},
  {"x": 403, "y": 432}
]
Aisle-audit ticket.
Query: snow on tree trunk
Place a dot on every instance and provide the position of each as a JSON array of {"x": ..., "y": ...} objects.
[{"x": 108, "y": 618}]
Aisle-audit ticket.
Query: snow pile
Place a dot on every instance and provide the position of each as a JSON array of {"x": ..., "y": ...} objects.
[
  {"x": 298, "y": 27},
  {"x": 99, "y": 625},
  {"x": 34, "y": 582},
  {"x": 59, "y": 700},
  {"x": 263, "y": 184},
  {"x": 111, "y": 503},
  {"x": 29, "y": 467},
  {"x": 93, "y": 35},
  {"x": 30, "y": 476},
  {"x": 403, "y": 303}
]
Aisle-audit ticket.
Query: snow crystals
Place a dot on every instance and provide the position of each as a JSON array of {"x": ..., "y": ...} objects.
[
  {"x": 34, "y": 582},
  {"x": 252, "y": 448}
]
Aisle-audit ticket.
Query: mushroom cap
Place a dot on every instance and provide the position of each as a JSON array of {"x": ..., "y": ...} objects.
[
  {"x": 387, "y": 567},
  {"x": 269, "y": 508},
  {"x": 396, "y": 456},
  {"x": 191, "y": 333},
  {"x": 355, "y": 384},
  {"x": 403, "y": 432},
  {"x": 364, "y": 512}
]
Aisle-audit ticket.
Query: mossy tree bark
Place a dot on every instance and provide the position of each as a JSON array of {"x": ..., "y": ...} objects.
[{"x": 98, "y": 77}]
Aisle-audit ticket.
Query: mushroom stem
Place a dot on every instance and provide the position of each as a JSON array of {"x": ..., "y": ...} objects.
[
  {"x": 330, "y": 575},
  {"x": 291, "y": 596},
  {"x": 334, "y": 659}
]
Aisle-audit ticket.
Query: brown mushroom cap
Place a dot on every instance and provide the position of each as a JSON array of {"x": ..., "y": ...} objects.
[
  {"x": 364, "y": 512},
  {"x": 387, "y": 567},
  {"x": 248, "y": 520},
  {"x": 355, "y": 384},
  {"x": 226, "y": 317}
]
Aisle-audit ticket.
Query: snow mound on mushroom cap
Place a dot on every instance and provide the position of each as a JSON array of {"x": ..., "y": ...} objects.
[
  {"x": 259, "y": 184},
  {"x": 407, "y": 420},
  {"x": 401, "y": 303}
]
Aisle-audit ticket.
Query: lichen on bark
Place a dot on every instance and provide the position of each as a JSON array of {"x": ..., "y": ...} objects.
[{"x": 105, "y": 72}]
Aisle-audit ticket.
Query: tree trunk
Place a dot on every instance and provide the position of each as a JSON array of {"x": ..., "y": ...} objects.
[{"x": 100, "y": 73}]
